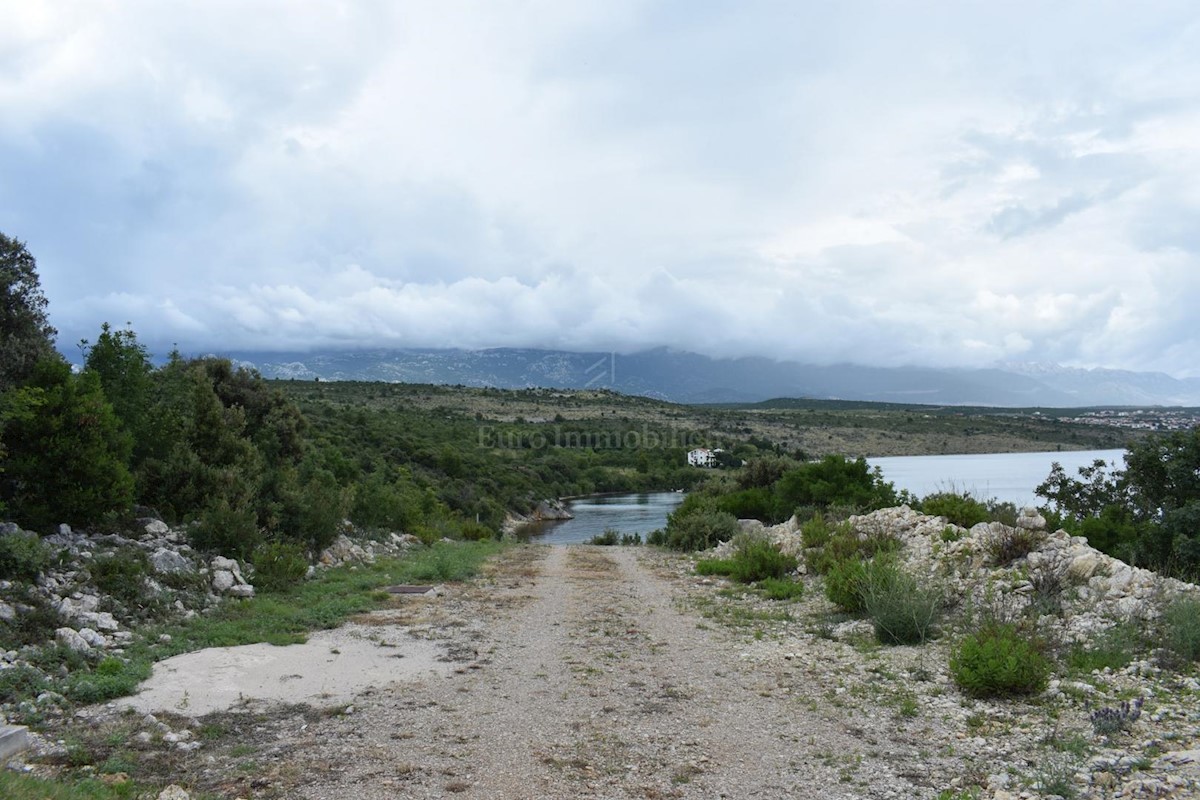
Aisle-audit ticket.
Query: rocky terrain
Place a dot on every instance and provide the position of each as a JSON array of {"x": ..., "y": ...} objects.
[{"x": 619, "y": 672}]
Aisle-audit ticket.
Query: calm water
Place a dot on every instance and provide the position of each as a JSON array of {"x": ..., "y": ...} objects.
[
  {"x": 1009, "y": 477},
  {"x": 627, "y": 513}
]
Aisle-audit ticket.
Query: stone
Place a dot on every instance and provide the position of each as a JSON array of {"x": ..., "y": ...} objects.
[
  {"x": 243, "y": 590},
  {"x": 70, "y": 638},
  {"x": 1031, "y": 520},
  {"x": 223, "y": 580},
  {"x": 225, "y": 564},
  {"x": 14, "y": 739},
  {"x": 7, "y": 612},
  {"x": 168, "y": 562},
  {"x": 100, "y": 620},
  {"x": 174, "y": 792},
  {"x": 155, "y": 527},
  {"x": 93, "y": 638},
  {"x": 1085, "y": 565}
]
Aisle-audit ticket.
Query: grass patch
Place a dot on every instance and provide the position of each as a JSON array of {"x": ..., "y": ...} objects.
[
  {"x": 781, "y": 588},
  {"x": 902, "y": 610},
  {"x": 14, "y": 786},
  {"x": 1181, "y": 629}
]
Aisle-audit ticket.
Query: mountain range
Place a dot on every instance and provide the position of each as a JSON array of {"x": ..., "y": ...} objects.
[{"x": 685, "y": 377}]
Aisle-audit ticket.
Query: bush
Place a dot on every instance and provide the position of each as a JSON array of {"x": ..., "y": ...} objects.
[
  {"x": 958, "y": 508},
  {"x": 23, "y": 556},
  {"x": 278, "y": 566},
  {"x": 226, "y": 530},
  {"x": 21, "y": 683},
  {"x": 756, "y": 503},
  {"x": 122, "y": 575},
  {"x": 902, "y": 610},
  {"x": 1181, "y": 624},
  {"x": 607, "y": 539},
  {"x": 700, "y": 530},
  {"x": 996, "y": 661},
  {"x": 631, "y": 539},
  {"x": 757, "y": 559},
  {"x": 32, "y": 625},
  {"x": 1114, "y": 649},
  {"x": 781, "y": 588},
  {"x": 843, "y": 584}
]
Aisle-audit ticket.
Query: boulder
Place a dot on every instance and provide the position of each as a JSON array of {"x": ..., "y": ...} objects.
[
  {"x": 223, "y": 580},
  {"x": 1031, "y": 520},
  {"x": 7, "y": 612},
  {"x": 155, "y": 527},
  {"x": 70, "y": 638},
  {"x": 342, "y": 551},
  {"x": 168, "y": 562},
  {"x": 174, "y": 792},
  {"x": 552, "y": 509},
  {"x": 93, "y": 638},
  {"x": 243, "y": 590}
]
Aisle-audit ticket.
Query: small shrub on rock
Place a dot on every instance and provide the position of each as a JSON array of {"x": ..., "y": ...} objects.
[
  {"x": 700, "y": 530},
  {"x": 23, "y": 556},
  {"x": 997, "y": 661},
  {"x": 958, "y": 508},
  {"x": 1009, "y": 544},
  {"x": 714, "y": 566},
  {"x": 122, "y": 574},
  {"x": 278, "y": 566}
]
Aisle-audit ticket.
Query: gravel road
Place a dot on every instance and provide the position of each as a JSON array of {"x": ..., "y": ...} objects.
[{"x": 581, "y": 676}]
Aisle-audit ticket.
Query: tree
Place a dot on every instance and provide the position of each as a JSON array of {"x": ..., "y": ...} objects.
[
  {"x": 66, "y": 453},
  {"x": 125, "y": 372},
  {"x": 26, "y": 336}
]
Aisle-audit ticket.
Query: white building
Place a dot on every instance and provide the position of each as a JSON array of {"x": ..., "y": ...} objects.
[{"x": 702, "y": 457}]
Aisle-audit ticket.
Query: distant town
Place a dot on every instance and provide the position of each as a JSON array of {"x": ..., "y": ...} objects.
[{"x": 1141, "y": 419}]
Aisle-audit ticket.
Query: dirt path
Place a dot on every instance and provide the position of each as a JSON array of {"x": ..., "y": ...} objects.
[{"x": 582, "y": 678}]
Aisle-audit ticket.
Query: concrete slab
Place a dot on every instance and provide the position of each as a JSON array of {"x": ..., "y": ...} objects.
[{"x": 13, "y": 741}]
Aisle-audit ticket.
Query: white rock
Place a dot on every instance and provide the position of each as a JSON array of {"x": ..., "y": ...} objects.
[
  {"x": 156, "y": 527},
  {"x": 70, "y": 638},
  {"x": 223, "y": 580},
  {"x": 166, "y": 561},
  {"x": 93, "y": 638},
  {"x": 241, "y": 590},
  {"x": 174, "y": 792}
]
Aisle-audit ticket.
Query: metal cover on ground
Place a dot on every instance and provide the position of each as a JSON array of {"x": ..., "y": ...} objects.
[{"x": 404, "y": 589}]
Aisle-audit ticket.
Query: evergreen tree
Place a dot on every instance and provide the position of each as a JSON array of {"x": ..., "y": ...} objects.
[{"x": 26, "y": 336}]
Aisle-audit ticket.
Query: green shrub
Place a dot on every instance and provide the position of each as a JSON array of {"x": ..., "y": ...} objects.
[
  {"x": 997, "y": 661},
  {"x": 226, "y": 530},
  {"x": 472, "y": 531},
  {"x": 33, "y": 624},
  {"x": 1181, "y": 628},
  {"x": 122, "y": 575},
  {"x": 902, "y": 610},
  {"x": 757, "y": 559},
  {"x": 843, "y": 584},
  {"x": 278, "y": 566},
  {"x": 755, "y": 503},
  {"x": 958, "y": 508},
  {"x": 23, "y": 556},
  {"x": 607, "y": 539},
  {"x": 109, "y": 679},
  {"x": 781, "y": 588},
  {"x": 631, "y": 539},
  {"x": 700, "y": 530},
  {"x": 816, "y": 532}
]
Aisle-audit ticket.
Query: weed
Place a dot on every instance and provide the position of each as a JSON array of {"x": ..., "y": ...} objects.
[
  {"x": 23, "y": 555},
  {"x": 122, "y": 574},
  {"x": 1055, "y": 776},
  {"x": 843, "y": 584}
]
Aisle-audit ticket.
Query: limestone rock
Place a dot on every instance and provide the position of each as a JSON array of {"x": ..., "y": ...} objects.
[
  {"x": 174, "y": 792},
  {"x": 155, "y": 527},
  {"x": 223, "y": 580},
  {"x": 169, "y": 562},
  {"x": 70, "y": 638},
  {"x": 93, "y": 638},
  {"x": 243, "y": 590}
]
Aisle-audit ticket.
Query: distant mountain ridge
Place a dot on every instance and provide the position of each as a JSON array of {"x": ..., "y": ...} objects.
[{"x": 691, "y": 378}]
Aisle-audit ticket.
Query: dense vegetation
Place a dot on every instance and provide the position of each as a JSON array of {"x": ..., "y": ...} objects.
[{"x": 1146, "y": 514}]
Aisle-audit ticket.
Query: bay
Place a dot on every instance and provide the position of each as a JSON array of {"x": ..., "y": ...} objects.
[
  {"x": 1008, "y": 477},
  {"x": 626, "y": 513}
]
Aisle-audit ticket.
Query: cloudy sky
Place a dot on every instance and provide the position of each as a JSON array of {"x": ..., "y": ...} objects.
[{"x": 955, "y": 183}]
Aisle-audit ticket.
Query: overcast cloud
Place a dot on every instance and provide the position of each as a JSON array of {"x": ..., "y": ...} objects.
[{"x": 885, "y": 183}]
